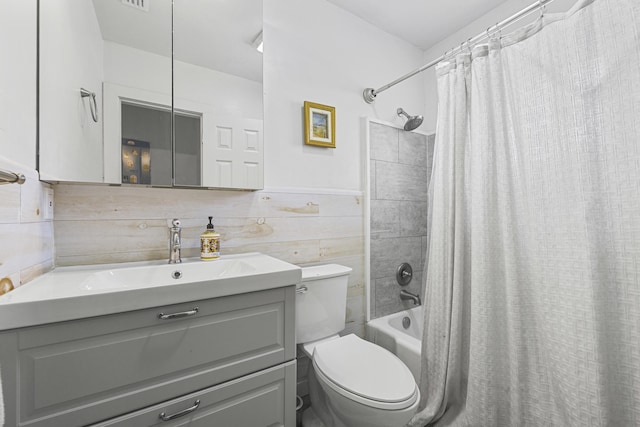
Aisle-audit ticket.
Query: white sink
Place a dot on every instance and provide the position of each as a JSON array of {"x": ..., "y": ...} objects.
[
  {"x": 69, "y": 293},
  {"x": 168, "y": 274}
]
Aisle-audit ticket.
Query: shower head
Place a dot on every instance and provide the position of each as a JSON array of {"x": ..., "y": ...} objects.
[{"x": 412, "y": 121}]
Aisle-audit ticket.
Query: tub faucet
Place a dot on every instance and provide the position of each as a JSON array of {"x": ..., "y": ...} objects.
[
  {"x": 175, "y": 242},
  {"x": 405, "y": 295}
]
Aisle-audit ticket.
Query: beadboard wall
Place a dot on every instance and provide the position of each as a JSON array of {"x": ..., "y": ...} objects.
[
  {"x": 26, "y": 238},
  {"x": 97, "y": 224}
]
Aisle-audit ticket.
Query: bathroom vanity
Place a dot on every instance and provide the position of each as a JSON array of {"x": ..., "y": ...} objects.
[{"x": 223, "y": 353}]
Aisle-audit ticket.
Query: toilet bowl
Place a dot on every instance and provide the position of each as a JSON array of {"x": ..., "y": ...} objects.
[
  {"x": 361, "y": 384},
  {"x": 352, "y": 382}
]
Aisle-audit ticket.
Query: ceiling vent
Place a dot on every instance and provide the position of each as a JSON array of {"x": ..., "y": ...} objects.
[{"x": 142, "y": 5}]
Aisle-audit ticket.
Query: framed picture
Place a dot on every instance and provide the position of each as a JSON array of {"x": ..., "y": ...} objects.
[{"x": 319, "y": 125}]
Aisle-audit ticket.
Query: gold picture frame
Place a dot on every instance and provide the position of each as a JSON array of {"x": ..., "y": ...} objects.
[{"x": 319, "y": 125}]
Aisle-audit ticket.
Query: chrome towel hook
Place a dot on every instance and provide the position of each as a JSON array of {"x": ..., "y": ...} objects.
[{"x": 92, "y": 102}]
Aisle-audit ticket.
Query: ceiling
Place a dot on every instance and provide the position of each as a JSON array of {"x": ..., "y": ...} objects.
[{"x": 422, "y": 23}]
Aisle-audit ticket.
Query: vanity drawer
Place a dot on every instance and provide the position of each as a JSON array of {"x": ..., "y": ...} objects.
[
  {"x": 80, "y": 372},
  {"x": 266, "y": 398}
]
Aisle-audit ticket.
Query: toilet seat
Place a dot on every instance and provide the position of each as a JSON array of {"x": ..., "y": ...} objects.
[{"x": 366, "y": 373}]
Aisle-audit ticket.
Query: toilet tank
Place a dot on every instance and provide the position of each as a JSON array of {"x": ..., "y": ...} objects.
[{"x": 321, "y": 310}]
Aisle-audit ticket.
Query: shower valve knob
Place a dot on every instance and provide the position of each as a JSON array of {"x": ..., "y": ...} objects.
[{"x": 404, "y": 274}]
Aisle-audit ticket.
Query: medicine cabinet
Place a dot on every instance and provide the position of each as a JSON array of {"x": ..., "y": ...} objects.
[{"x": 122, "y": 101}]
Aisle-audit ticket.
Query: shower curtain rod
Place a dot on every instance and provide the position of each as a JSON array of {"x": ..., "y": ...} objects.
[{"x": 370, "y": 94}]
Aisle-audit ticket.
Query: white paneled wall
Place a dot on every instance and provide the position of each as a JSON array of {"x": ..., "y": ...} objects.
[
  {"x": 26, "y": 237},
  {"x": 104, "y": 224}
]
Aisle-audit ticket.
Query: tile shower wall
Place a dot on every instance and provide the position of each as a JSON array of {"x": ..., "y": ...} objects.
[
  {"x": 399, "y": 174},
  {"x": 104, "y": 224}
]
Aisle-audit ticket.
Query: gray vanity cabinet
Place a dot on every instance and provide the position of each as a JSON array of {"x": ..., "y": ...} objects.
[{"x": 234, "y": 356}]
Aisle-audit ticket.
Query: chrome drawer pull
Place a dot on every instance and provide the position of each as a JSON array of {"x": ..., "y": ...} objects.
[
  {"x": 178, "y": 315},
  {"x": 165, "y": 417},
  {"x": 302, "y": 290}
]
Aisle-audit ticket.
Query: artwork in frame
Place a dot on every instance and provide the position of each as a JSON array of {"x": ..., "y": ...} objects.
[{"x": 319, "y": 125}]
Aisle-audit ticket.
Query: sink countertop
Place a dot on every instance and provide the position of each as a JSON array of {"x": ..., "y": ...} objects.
[{"x": 68, "y": 293}]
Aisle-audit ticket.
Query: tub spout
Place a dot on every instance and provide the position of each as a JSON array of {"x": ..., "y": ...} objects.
[{"x": 405, "y": 295}]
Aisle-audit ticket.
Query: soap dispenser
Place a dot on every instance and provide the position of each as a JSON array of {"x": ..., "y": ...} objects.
[{"x": 210, "y": 243}]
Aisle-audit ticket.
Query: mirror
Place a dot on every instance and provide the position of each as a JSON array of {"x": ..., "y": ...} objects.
[
  {"x": 218, "y": 78},
  {"x": 119, "y": 53}
]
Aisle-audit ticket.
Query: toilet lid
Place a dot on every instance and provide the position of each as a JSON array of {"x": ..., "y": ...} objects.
[{"x": 366, "y": 370}]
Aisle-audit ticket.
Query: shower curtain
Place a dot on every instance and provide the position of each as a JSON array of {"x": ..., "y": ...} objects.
[{"x": 533, "y": 281}]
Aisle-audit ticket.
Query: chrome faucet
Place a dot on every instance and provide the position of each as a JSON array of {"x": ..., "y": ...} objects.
[
  {"x": 175, "y": 242},
  {"x": 405, "y": 295}
]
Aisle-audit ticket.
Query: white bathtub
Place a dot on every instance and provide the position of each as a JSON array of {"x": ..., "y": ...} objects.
[{"x": 388, "y": 332}]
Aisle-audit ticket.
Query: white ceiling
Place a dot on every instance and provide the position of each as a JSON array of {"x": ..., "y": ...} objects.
[{"x": 422, "y": 23}]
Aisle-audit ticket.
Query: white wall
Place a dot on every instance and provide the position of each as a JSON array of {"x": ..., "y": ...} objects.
[
  {"x": 315, "y": 51},
  {"x": 498, "y": 14},
  {"x": 18, "y": 81}
]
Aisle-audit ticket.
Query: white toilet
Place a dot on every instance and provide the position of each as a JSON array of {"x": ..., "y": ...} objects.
[{"x": 352, "y": 382}]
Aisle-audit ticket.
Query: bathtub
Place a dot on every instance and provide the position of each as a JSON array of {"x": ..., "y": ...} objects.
[{"x": 389, "y": 332}]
